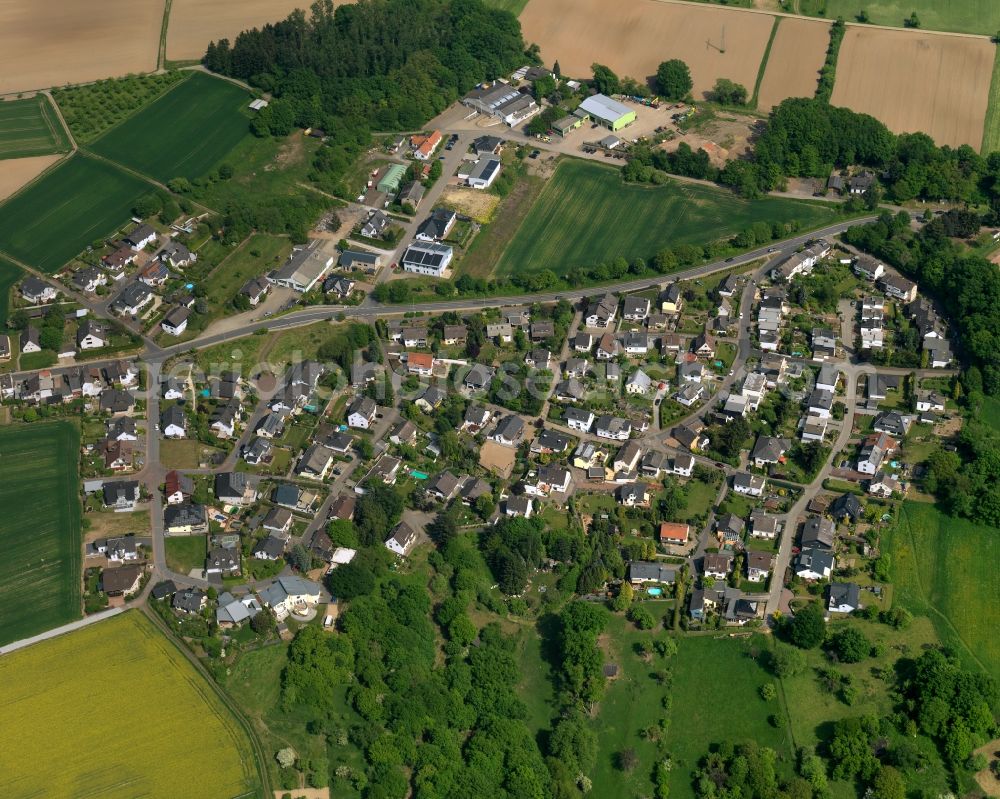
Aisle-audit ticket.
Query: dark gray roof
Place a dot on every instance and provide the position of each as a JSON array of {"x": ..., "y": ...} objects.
[
  {"x": 646, "y": 571},
  {"x": 845, "y": 594}
]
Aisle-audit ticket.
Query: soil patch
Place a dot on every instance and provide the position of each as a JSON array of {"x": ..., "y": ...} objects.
[
  {"x": 17, "y": 172},
  {"x": 912, "y": 81},
  {"x": 632, "y": 37},
  {"x": 797, "y": 53},
  {"x": 74, "y": 42}
]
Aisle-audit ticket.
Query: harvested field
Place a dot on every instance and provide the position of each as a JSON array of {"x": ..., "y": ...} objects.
[
  {"x": 19, "y": 171},
  {"x": 199, "y": 750},
  {"x": 73, "y": 42},
  {"x": 40, "y": 581},
  {"x": 195, "y": 23},
  {"x": 478, "y": 205},
  {"x": 634, "y": 36},
  {"x": 81, "y": 200},
  {"x": 917, "y": 82},
  {"x": 183, "y": 133},
  {"x": 793, "y": 66},
  {"x": 30, "y": 127}
]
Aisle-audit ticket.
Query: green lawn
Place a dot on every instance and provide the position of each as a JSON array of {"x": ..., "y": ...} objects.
[
  {"x": 78, "y": 202},
  {"x": 185, "y": 552},
  {"x": 40, "y": 578},
  {"x": 946, "y": 568},
  {"x": 699, "y": 498},
  {"x": 183, "y": 133},
  {"x": 990, "y": 412},
  {"x": 587, "y": 214},
  {"x": 30, "y": 127},
  {"x": 716, "y": 698},
  {"x": 963, "y": 16},
  {"x": 9, "y": 275}
]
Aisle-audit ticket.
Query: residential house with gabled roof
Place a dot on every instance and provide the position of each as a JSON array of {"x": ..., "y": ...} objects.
[
  {"x": 602, "y": 312},
  {"x": 751, "y": 485},
  {"x": 818, "y": 533},
  {"x": 843, "y": 597},
  {"x": 173, "y": 422},
  {"x": 402, "y": 539},
  {"x": 814, "y": 564}
]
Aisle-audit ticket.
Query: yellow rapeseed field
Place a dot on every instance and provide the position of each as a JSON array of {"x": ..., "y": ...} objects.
[{"x": 115, "y": 711}]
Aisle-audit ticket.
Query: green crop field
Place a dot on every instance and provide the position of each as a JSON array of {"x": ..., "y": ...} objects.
[
  {"x": 9, "y": 275},
  {"x": 78, "y": 202},
  {"x": 30, "y": 127},
  {"x": 40, "y": 577},
  {"x": 167, "y": 733},
  {"x": 183, "y": 133},
  {"x": 515, "y": 7},
  {"x": 945, "y": 568},
  {"x": 961, "y": 16},
  {"x": 587, "y": 214}
]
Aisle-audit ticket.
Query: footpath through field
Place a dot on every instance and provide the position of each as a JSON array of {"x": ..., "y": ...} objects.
[{"x": 66, "y": 628}]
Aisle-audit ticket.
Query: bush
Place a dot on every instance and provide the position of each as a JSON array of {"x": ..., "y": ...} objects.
[{"x": 641, "y": 617}]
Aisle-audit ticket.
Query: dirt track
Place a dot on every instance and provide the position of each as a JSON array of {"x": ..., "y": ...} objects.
[
  {"x": 15, "y": 172},
  {"x": 634, "y": 36},
  {"x": 917, "y": 82},
  {"x": 195, "y": 23},
  {"x": 797, "y": 54},
  {"x": 69, "y": 41}
]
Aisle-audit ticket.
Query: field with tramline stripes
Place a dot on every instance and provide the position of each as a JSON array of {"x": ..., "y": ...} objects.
[
  {"x": 587, "y": 215},
  {"x": 115, "y": 710},
  {"x": 30, "y": 127},
  {"x": 40, "y": 577}
]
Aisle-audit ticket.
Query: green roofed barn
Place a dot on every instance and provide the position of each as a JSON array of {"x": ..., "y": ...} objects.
[
  {"x": 392, "y": 179},
  {"x": 605, "y": 111}
]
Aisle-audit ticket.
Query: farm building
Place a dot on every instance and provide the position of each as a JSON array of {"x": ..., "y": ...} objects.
[
  {"x": 605, "y": 111},
  {"x": 391, "y": 180},
  {"x": 566, "y": 124},
  {"x": 502, "y": 101},
  {"x": 427, "y": 259},
  {"x": 482, "y": 173},
  {"x": 302, "y": 270}
]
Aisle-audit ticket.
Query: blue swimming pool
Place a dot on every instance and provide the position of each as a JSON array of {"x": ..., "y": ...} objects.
[
  {"x": 654, "y": 591},
  {"x": 420, "y": 475}
]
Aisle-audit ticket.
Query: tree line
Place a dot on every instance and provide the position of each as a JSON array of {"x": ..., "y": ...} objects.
[{"x": 377, "y": 65}]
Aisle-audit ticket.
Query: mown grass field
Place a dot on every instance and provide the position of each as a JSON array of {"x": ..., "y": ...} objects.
[
  {"x": 717, "y": 698},
  {"x": 183, "y": 133},
  {"x": 40, "y": 578},
  {"x": 9, "y": 275},
  {"x": 961, "y": 16},
  {"x": 587, "y": 214},
  {"x": 260, "y": 253},
  {"x": 946, "y": 569},
  {"x": 30, "y": 127},
  {"x": 990, "y": 412},
  {"x": 172, "y": 736},
  {"x": 78, "y": 202},
  {"x": 185, "y": 552}
]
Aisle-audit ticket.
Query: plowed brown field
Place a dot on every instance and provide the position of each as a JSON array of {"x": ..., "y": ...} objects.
[
  {"x": 15, "y": 172},
  {"x": 195, "y": 23},
  {"x": 69, "y": 41},
  {"x": 916, "y": 81},
  {"x": 797, "y": 54},
  {"x": 634, "y": 36}
]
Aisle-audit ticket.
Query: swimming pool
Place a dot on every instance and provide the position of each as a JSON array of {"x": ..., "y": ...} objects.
[
  {"x": 654, "y": 591},
  {"x": 419, "y": 475}
]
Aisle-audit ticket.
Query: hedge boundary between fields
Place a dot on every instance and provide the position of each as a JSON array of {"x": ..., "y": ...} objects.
[{"x": 828, "y": 72}]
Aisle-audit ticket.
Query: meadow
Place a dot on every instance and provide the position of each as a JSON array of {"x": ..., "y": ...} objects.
[
  {"x": 88, "y": 685},
  {"x": 254, "y": 257},
  {"x": 9, "y": 275},
  {"x": 185, "y": 132},
  {"x": 587, "y": 214},
  {"x": 960, "y": 16},
  {"x": 30, "y": 127},
  {"x": 945, "y": 568},
  {"x": 78, "y": 202},
  {"x": 40, "y": 578},
  {"x": 991, "y": 126}
]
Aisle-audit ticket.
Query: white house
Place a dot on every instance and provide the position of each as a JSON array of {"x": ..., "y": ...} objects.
[
  {"x": 482, "y": 173},
  {"x": 614, "y": 428},
  {"x": 91, "y": 336},
  {"x": 427, "y": 258},
  {"x": 577, "y": 419},
  {"x": 361, "y": 413},
  {"x": 402, "y": 540},
  {"x": 176, "y": 320},
  {"x": 750, "y": 485}
]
